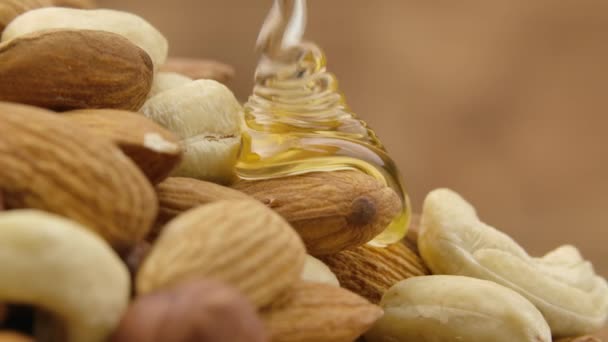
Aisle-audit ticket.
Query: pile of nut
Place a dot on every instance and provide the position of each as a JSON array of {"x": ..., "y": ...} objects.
[{"x": 122, "y": 219}]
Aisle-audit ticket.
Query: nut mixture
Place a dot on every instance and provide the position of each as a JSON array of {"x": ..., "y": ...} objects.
[{"x": 122, "y": 218}]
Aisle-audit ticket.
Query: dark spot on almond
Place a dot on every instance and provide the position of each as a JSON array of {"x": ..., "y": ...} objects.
[{"x": 363, "y": 211}]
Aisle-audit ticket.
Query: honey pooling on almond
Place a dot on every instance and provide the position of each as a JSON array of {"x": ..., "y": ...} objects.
[{"x": 297, "y": 121}]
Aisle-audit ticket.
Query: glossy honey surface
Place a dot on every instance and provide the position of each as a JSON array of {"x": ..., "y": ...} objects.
[{"x": 297, "y": 121}]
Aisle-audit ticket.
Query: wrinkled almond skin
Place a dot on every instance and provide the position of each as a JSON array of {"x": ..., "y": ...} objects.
[
  {"x": 178, "y": 194},
  {"x": 10, "y": 9},
  {"x": 331, "y": 211},
  {"x": 152, "y": 148},
  {"x": 74, "y": 69},
  {"x": 317, "y": 312},
  {"x": 48, "y": 163},
  {"x": 197, "y": 311},
  {"x": 8, "y": 336},
  {"x": 370, "y": 271},
  {"x": 198, "y": 69},
  {"x": 240, "y": 242}
]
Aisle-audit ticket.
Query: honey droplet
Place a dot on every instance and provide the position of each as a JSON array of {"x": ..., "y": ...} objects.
[{"x": 297, "y": 121}]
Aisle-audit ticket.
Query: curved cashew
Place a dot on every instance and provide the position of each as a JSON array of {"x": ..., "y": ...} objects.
[
  {"x": 207, "y": 118},
  {"x": 165, "y": 81},
  {"x": 54, "y": 264},
  {"x": 317, "y": 272},
  {"x": 454, "y": 308},
  {"x": 130, "y": 26},
  {"x": 564, "y": 287}
]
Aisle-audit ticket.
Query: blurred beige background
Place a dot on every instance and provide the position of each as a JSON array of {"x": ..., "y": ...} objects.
[{"x": 501, "y": 100}]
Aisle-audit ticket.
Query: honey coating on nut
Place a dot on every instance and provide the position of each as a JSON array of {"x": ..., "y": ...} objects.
[{"x": 297, "y": 120}]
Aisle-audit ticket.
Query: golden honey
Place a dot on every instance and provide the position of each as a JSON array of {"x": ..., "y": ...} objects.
[{"x": 297, "y": 121}]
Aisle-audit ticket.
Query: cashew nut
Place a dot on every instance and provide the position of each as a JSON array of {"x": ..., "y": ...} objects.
[
  {"x": 167, "y": 80},
  {"x": 208, "y": 118},
  {"x": 56, "y": 265},
  {"x": 562, "y": 285},
  {"x": 128, "y": 25},
  {"x": 453, "y": 308},
  {"x": 317, "y": 272}
]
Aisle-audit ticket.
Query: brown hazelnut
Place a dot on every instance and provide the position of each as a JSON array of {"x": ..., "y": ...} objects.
[{"x": 201, "y": 311}]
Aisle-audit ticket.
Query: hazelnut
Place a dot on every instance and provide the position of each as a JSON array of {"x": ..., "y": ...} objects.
[{"x": 201, "y": 311}]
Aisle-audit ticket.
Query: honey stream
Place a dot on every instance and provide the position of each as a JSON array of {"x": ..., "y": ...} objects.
[{"x": 297, "y": 121}]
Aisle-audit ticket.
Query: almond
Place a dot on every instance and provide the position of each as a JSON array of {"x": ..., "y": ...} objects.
[
  {"x": 240, "y": 242},
  {"x": 154, "y": 149},
  {"x": 370, "y": 271},
  {"x": 10, "y": 9},
  {"x": 49, "y": 163},
  {"x": 331, "y": 211},
  {"x": 178, "y": 194},
  {"x": 74, "y": 69},
  {"x": 199, "y": 69},
  {"x": 317, "y": 312}
]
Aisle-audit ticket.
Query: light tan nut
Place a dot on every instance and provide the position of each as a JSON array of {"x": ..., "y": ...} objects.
[
  {"x": 56, "y": 265},
  {"x": 564, "y": 287},
  {"x": 178, "y": 194},
  {"x": 152, "y": 148},
  {"x": 207, "y": 118},
  {"x": 197, "y": 311},
  {"x": 240, "y": 242},
  {"x": 48, "y": 163},
  {"x": 317, "y": 272},
  {"x": 447, "y": 308},
  {"x": 370, "y": 271},
  {"x": 68, "y": 69},
  {"x": 320, "y": 313},
  {"x": 10, "y": 9},
  {"x": 167, "y": 80},
  {"x": 331, "y": 211},
  {"x": 135, "y": 29},
  {"x": 8, "y": 336},
  {"x": 199, "y": 68}
]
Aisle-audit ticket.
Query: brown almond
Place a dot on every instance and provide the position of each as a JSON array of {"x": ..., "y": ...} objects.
[
  {"x": 178, "y": 194},
  {"x": 239, "y": 242},
  {"x": 370, "y": 271},
  {"x": 153, "y": 148},
  {"x": 49, "y": 163},
  {"x": 331, "y": 211},
  {"x": 318, "y": 312},
  {"x": 74, "y": 69},
  {"x": 10, "y": 9},
  {"x": 199, "y": 69},
  {"x": 9, "y": 336}
]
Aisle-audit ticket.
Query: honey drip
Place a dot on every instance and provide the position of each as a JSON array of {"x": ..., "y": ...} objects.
[{"x": 297, "y": 121}]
